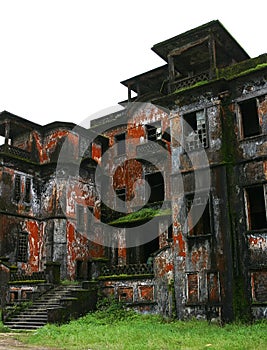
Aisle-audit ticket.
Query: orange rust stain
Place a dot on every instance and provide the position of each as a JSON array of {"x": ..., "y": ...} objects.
[
  {"x": 136, "y": 131},
  {"x": 169, "y": 267},
  {"x": 181, "y": 243},
  {"x": 127, "y": 175},
  {"x": 41, "y": 151},
  {"x": 265, "y": 169},
  {"x": 96, "y": 250},
  {"x": 33, "y": 229},
  {"x": 122, "y": 253},
  {"x": 146, "y": 293},
  {"x": 96, "y": 152}
]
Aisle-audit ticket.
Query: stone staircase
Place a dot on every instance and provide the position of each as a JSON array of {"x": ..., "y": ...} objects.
[{"x": 36, "y": 315}]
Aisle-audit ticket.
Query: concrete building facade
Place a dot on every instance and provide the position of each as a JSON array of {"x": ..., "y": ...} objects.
[{"x": 164, "y": 202}]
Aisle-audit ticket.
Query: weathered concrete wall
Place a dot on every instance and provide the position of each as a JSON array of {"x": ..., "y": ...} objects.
[{"x": 137, "y": 293}]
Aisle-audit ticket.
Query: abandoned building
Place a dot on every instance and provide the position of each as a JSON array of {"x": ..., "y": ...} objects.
[{"x": 189, "y": 147}]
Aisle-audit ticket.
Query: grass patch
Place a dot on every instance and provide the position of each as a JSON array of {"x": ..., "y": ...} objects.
[
  {"x": 69, "y": 283},
  {"x": 125, "y": 330},
  {"x": 3, "y": 328}
]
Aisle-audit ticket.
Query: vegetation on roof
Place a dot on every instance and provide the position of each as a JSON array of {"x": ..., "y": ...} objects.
[
  {"x": 232, "y": 72},
  {"x": 144, "y": 214},
  {"x": 243, "y": 68}
]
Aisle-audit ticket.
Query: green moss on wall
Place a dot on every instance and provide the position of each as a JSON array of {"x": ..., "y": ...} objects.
[{"x": 141, "y": 215}]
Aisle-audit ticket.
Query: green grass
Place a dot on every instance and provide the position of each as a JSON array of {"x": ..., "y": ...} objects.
[{"x": 142, "y": 332}]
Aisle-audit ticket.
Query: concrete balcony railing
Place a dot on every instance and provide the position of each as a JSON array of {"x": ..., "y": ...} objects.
[
  {"x": 131, "y": 269},
  {"x": 190, "y": 81},
  {"x": 17, "y": 152},
  {"x": 151, "y": 148}
]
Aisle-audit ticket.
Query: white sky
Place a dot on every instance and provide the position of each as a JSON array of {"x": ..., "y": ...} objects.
[{"x": 63, "y": 60}]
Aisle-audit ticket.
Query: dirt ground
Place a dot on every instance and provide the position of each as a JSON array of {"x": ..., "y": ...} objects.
[{"x": 8, "y": 341}]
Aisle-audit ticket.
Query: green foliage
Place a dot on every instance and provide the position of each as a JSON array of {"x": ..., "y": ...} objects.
[
  {"x": 144, "y": 332},
  {"x": 27, "y": 282},
  {"x": 110, "y": 311},
  {"x": 69, "y": 283},
  {"x": 3, "y": 328}
]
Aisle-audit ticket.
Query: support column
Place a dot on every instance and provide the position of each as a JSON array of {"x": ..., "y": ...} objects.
[
  {"x": 129, "y": 93},
  {"x": 171, "y": 68},
  {"x": 7, "y": 132},
  {"x": 212, "y": 54}
]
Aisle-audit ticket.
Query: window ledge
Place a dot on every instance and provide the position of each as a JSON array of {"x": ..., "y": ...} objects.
[
  {"x": 204, "y": 236},
  {"x": 258, "y": 231},
  {"x": 251, "y": 138}
]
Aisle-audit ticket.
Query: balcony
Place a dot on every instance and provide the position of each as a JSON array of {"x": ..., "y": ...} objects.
[
  {"x": 189, "y": 81},
  {"x": 16, "y": 152},
  {"x": 127, "y": 270},
  {"x": 151, "y": 148}
]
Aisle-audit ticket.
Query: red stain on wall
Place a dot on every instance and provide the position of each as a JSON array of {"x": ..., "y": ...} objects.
[
  {"x": 32, "y": 228},
  {"x": 178, "y": 239}
]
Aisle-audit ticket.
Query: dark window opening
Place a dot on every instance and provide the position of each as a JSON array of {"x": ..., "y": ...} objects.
[
  {"x": 155, "y": 190},
  {"x": 148, "y": 249},
  {"x": 140, "y": 254},
  {"x": 153, "y": 132},
  {"x": 17, "y": 188},
  {"x": 80, "y": 217},
  {"x": 195, "y": 130},
  {"x": 167, "y": 135},
  {"x": 170, "y": 232},
  {"x": 121, "y": 146},
  {"x": 22, "y": 255},
  {"x": 89, "y": 271},
  {"x": 198, "y": 215},
  {"x": 256, "y": 210},
  {"x": 120, "y": 198},
  {"x": 250, "y": 118},
  {"x": 79, "y": 270},
  {"x": 27, "y": 197}
]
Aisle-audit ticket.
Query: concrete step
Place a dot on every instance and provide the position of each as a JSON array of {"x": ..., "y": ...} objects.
[
  {"x": 25, "y": 324},
  {"x": 35, "y": 316},
  {"x": 16, "y": 326}
]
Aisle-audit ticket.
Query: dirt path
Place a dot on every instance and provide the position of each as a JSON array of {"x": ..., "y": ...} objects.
[{"x": 8, "y": 342}]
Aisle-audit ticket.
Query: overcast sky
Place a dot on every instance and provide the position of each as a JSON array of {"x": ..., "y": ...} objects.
[{"x": 64, "y": 60}]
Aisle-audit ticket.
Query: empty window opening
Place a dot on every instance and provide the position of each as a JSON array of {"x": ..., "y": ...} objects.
[
  {"x": 121, "y": 146},
  {"x": 154, "y": 132},
  {"x": 80, "y": 217},
  {"x": 170, "y": 232},
  {"x": 155, "y": 188},
  {"x": 17, "y": 188},
  {"x": 22, "y": 255},
  {"x": 27, "y": 197},
  {"x": 141, "y": 254},
  {"x": 166, "y": 136},
  {"x": 79, "y": 270},
  {"x": 195, "y": 130},
  {"x": 120, "y": 198},
  {"x": 198, "y": 215},
  {"x": 250, "y": 118},
  {"x": 256, "y": 208},
  {"x": 89, "y": 270}
]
